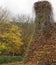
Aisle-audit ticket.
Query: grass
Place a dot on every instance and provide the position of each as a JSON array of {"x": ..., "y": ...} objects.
[{"x": 8, "y": 59}]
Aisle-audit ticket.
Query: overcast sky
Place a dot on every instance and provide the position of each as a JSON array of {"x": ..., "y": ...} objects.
[{"x": 23, "y": 6}]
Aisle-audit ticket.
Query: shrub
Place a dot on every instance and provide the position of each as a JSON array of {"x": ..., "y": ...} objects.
[{"x": 7, "y": 59}]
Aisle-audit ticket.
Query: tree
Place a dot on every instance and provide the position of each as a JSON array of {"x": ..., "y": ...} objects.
[{"x": 11, "y": 37}]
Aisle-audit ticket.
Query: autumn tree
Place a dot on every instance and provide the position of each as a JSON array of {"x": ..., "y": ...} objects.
[
  {"x": 10, "y": 37},
  {"x": 27, "y": 26}
]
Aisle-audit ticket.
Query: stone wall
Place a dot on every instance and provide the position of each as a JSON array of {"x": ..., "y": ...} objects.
[{"x": 42, "y": 50}]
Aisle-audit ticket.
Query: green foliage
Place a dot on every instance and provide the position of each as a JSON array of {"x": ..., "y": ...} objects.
[{"x": 8, "y": 59}]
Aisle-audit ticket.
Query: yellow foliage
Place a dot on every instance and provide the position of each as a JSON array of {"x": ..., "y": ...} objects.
[{"x": 11, "y": 38}]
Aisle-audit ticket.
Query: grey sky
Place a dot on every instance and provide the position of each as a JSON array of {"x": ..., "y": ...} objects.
[{"x": 23, "y": 6}]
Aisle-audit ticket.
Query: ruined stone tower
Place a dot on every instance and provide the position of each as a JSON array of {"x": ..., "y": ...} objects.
[{"x": 42, "y": 50}]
